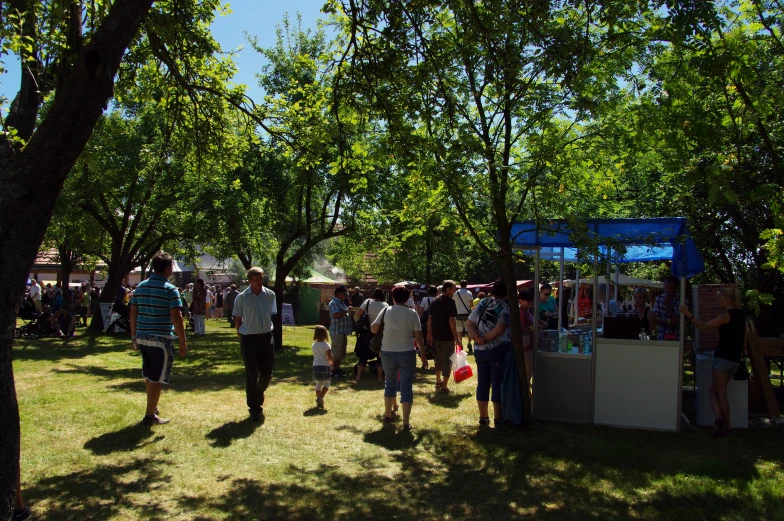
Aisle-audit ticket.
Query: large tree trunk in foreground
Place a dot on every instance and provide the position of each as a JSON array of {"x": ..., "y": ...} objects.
[
  {"x": 515, "y": 325},
  {"x": 31, "y": 180}
]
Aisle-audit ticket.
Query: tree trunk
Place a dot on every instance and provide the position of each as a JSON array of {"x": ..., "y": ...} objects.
[
  {"x": 113, "y": 282},
  {"x": 66, "y": 268},
  {"x": 31, "y": 180},
  {"x": 428, "y": 258},
  {"x": 508, "y": 266},
  {"x": 117, "y": 268}
]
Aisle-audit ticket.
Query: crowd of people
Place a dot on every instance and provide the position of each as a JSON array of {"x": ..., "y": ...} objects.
[
  {"x": 447, "y": 319},
  {"x": 58, "y": 309},
  {"x": 435, "y": 326}
]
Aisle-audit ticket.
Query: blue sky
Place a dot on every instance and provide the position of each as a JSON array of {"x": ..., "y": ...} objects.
[{"x": 256, "y": 17}]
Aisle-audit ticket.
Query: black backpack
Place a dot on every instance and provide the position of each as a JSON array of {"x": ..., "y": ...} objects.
[{"x": 363, "y": 324}]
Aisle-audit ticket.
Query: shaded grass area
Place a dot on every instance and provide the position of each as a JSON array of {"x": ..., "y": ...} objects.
[{"x": 85, "y": 456}]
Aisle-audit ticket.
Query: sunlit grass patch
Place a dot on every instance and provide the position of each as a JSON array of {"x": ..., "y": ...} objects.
[{"x": 85, "y": 456}]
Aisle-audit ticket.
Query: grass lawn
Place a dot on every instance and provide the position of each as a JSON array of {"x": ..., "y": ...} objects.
[{"x": 85, "y": 456}]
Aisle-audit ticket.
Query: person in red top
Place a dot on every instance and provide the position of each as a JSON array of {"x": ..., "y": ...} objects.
[{"x": 526, "y": 300}]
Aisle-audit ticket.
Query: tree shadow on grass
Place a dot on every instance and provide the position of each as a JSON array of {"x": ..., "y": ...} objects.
[
  {"x": 101, "y": 492},
  {"x": 227, "y": 433},
  {"x": 448, "y": 401},
  {"x": 126, "y": 439},
  {"x": 441, "y": 479},
  {"x": 553, "y": 473},
  {"x": 86, "y": 343}
]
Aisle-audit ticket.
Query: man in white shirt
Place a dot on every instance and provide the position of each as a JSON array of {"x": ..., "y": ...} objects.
[
  {"x": 464, "y": 301},
  {"x": 35, "y": 294}
]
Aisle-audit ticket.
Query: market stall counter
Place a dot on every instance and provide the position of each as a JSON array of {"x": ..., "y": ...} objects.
[
  {"x": 637, "y": 384},
  {"x": 563, "y": 379}
]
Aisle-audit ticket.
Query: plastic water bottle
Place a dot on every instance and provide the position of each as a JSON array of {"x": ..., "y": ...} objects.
[
  {"x": 563, "y": 341},
  {"x": 587, "y": 343}
]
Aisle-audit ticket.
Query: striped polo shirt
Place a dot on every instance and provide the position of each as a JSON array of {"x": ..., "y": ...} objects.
[{"x": 154, "y": 298}]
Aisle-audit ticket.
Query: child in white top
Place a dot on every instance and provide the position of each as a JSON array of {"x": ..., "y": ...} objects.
[{"x": 322, "y": 363}]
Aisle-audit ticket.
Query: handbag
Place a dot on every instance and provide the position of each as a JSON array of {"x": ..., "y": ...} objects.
[
  {"x": 743, "y": 371},
  {"x": 375, "y": 342},
  {"x": 462, "y": 370}
]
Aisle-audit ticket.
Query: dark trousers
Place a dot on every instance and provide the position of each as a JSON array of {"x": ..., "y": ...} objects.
[
  {"x": 228, "y": 316},
  {"x": 259, "y": 357}
]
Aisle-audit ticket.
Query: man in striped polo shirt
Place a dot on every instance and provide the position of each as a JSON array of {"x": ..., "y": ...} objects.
[{"x": 155, "y": 317}]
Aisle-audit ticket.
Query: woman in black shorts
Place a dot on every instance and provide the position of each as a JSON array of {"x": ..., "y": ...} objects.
[{"x": 727, "y": 357}]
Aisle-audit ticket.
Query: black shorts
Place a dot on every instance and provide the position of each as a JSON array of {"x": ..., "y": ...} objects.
[{"x": 157, "y": 357}]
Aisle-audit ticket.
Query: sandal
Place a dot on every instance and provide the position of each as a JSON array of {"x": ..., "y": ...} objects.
[
  {"x": 153, "y": 420},
  {"x": 445, "y": 390},
  {"x": 407, "y": 427},
  {"x": 717, "y": 430},
  {"x": 484, "y": 421},
  {"x": 388, "y": 419}
]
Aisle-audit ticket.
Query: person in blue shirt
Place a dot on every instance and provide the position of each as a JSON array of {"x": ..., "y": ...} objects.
[
  {"x": 253, "y": 310},
  {"x": 340, "y": 328},
  {"x": 155, "y": 317}
]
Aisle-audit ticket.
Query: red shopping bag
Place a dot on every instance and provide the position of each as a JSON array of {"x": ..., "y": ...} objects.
[{"x": 462, "y": 370}]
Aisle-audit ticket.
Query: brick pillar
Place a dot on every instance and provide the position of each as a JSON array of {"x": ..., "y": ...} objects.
[{"x": 706, "y": 308}]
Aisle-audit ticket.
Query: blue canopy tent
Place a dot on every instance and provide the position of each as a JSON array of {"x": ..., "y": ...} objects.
[
  {"x": 642, "y": 239},
  {"x": 616, "y": 240}
]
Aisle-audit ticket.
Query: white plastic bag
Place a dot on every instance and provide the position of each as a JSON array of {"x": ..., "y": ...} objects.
[{"x": 462, "y": 371}]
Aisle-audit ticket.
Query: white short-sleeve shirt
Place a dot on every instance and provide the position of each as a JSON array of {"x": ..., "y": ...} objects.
[
  {"x": 463, "y": 300},
  {"x": 400, "y": 323},
  {"x": 320, "y": 353},
  {"x": 373, "y": 308}
]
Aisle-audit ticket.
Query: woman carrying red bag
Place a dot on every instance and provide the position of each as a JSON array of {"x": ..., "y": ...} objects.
[{"x": 488, "y": 326}]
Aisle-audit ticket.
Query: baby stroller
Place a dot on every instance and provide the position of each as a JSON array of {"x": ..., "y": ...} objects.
[
  {"x": 28, "y": 314},
  {"x": 372, "y": 367},
  {"x": 119, "y": 319},
  {"x": 187, "y": 319},
  {"x": 39, "y": 328}
]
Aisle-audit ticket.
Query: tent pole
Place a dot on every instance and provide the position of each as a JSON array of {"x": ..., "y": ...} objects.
[
  {"x": 536, "y": 300},
  {"x": 594, "y": 343},
  {"x": 576, "y": 295},
  {"x": 607, "y": 279},
  {"x": 561, "y": 293},
  {"x": 681, "y": 346},
  {"x": 536, "y": 330},
  {"x": 617, "y": 276}
]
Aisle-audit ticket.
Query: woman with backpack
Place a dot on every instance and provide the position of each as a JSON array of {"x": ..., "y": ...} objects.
[{"x": 488, "y": 327}]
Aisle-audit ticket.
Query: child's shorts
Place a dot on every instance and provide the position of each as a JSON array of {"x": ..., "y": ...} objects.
[{"x": 321, "y": 376}]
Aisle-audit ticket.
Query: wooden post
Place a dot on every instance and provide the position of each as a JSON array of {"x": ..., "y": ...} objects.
[{"x": 760, "y": 370}]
